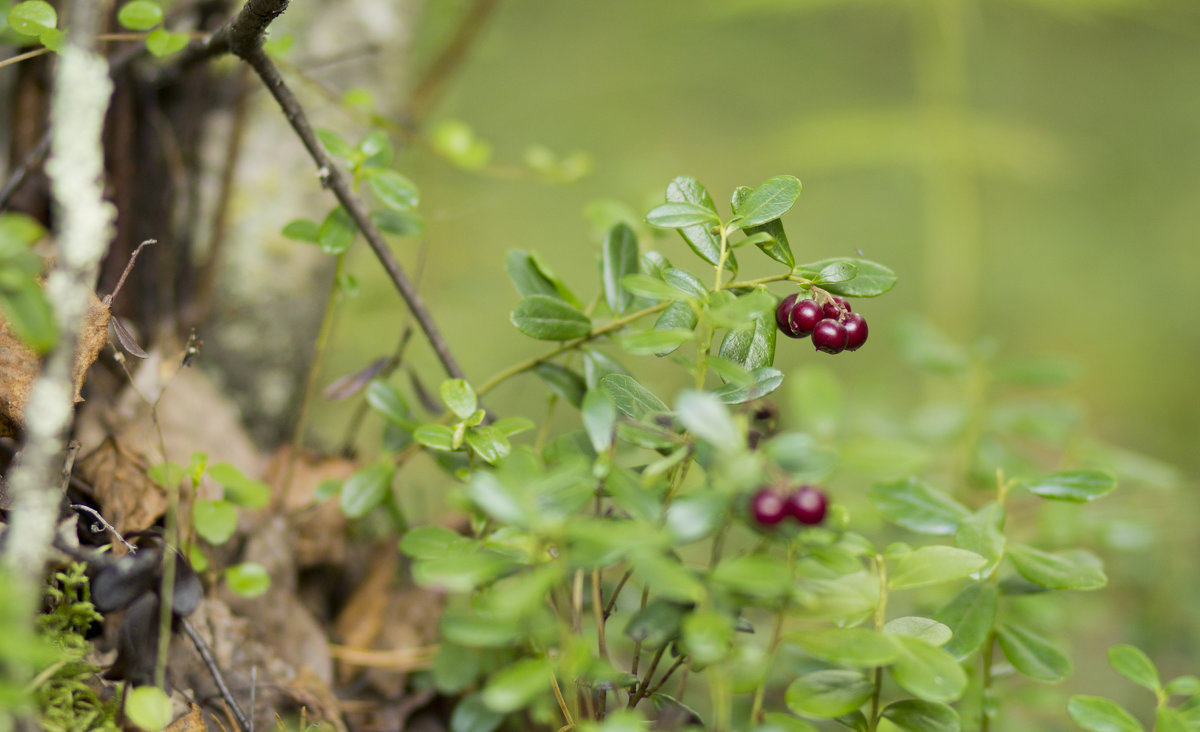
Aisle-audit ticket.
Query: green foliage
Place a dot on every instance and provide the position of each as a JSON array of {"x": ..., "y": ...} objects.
[{"x": 21, "y": 298}]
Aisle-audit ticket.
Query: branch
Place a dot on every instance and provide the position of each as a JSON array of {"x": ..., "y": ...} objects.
[
  {"x": 426, "y": 91},
  {"x": 243, "y": 37}
]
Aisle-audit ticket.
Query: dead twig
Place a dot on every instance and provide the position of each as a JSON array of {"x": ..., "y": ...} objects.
[{"x": 218, "y": 678}]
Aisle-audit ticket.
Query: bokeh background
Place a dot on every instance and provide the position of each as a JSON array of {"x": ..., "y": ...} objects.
[{"x": 1029, "y": 168}]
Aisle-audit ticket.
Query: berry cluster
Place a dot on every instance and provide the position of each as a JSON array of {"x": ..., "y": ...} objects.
[
  {"x": 832, "y": 326},
  {"x": 806, "y": 504}
]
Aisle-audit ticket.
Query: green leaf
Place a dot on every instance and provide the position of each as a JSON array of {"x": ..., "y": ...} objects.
[
  {"x": 239, "y": 488},
  {"x": 459, "y": 397},
  {"x": 393, "y": 190},
  {"x": 828, "y": 693},
  {"x": 848, "y": 646},
  {"x": 1079, "y": 486},
  {"x": 654, "y": 341},
  {"x": 685, "y": 282},
  {"x": 983, "y": 533},
  {"x": 457, "y": 142},
  {"x": 777, "y": 247},
  {"x": 398, "y": 223},
  {"x": 386, "y": 399},
  {"x": 31, "y": 18},
  {"x": 801, "y": 455},
  {"x": 762, "y": 382},
  {"x": 769, "y": 201},
  {"x": 29, "y": 314},
  {"x": 599, "y": 419},
  {"x": 928, "y": 672},
  {"x": 433, "y": 542},
  {"x": 334, "y": 143},
  {"x": 1134, "y": 665},
  {"x": 304, "y": 230},
  {"x": 619, "y": 259},
  {"x": 1167, "y": 719},
  {"x": 707, "y": 636},
  {"x": 366, "y": 489},
  {"x": 472, "y": 715},
  {"x": 1068, "y": 570},
  {"x": 678, "y": 316},
  {"x": 750, "y": 346},
  {"x": 562, "y": 381},
  {"x": 752, "y": 575},
  {"x": 337, "y": 232},
  {"x": 927, "y": 629},
  {"x": 872, "y": 279},
  {"x": 1032, "y": 655},
  {"x": 836, "y": 273},
  {"x": 148, "y": 707},
  {"x": 549, "y": 319},
  {"x": 631, "y": 398},
  {"x": 435, "y": 436},
  {"x": 140, "y": 15},
  {"x": 509, "y": 426},
  {"x": 915, "y": 506},
  {"x": 162, "y": 42},
  {"x": 704, "y": 415},
  {"x": 700, "y": 238},
  {"x": 916, "y": 715},
  {"x": 214, "y": 520},
  {"x": 460, "y": 572},
  {"x": 656, "y": 624},
  {"x": 668, "y": 577},
  {"x": 1101, "y": 715},
  {"x": 1183, "y": 686},
  {"x": 248, "y": 579},
  {"x": 54, "y": 39},
  {"x": 971, "y": 615},
  {"x": 696, "y": 516},
  {"x": 17, "y": 233},
  {"x": 649, "y": 287},
  {"x": 488, "y": 444},
  {"x": 931, "y": 565},
  {"x": 527, "y": 276},
  {"x": 515, "y": 686},
  {"x": 681, "y": 215}
]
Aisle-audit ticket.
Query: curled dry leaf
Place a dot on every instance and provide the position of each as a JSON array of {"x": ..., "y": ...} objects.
[
  {"x": 125, "y": 495},
  {"x": 19, "y": 365}
]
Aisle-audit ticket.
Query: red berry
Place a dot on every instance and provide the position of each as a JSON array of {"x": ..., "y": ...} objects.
[
  {"x": 856, "y": 331},
  {"x": 805, "y": 316},
  {"x": 767, "y": 507},
  {"x": 807, "y": 505},
  {"x": 829, "y": 336},
  {"x": 832, "y": 309},
  {"x": 783, "y": 314}
]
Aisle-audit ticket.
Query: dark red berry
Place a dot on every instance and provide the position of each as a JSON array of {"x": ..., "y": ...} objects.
[
  {"x": 832, "y": 310},
  {"x": 805, "y": 316},
  {"x": 829, "y": 336},
  {"x": 856, "y": 331},
  {"x": 767, "y": 507},
  {"x": 807, "y": 505},
  {"x": 783, "y": 314}
]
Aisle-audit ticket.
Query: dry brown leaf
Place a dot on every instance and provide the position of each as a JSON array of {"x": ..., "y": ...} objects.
[
  {"x": 319, "y": 530},
  {"x": 19, "y": 365},
  {"x": 125, "y": 496},
  {"x": 193, "y": 721},
  {"x": 360, "y": 621}
]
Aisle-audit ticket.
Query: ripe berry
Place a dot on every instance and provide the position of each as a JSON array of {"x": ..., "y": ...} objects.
[
  {"x": 829, "y": 336},
  {"x": 783, "y": 314},
  {"x": 832, "y": 310},
  {"x": 805, "y": 316},
  {"x": 807, "y": 505},
  {"x": 856, "y": 331},
  {"x": 767, "y": 507}
]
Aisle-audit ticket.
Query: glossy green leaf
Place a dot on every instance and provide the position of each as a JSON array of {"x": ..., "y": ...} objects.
[
  {"x": 707, "y": 636},
  {"x": 870, "y": 280},
  {"x": 550, "y": 319},
  {"x": 696, "y": 516},
  {"x": 928, "y": 672},
  {"x": 681, "y": 215},
  {"x": 32, "y": 17},
  {"x": 654, "y": 341},
  {"x": 1135, "y": 665},
  {"x": 140, "y": 15},
  {"x": 917, "y": 715},
  {"x": 17, "y": 233},
  {"x": 302, "y": 230},
  {"x": 457, "y": 142},
  {"x": 700, "y": 238},
  {"x": 971, "y": 616},
  {"x": 435, "y": 436},
  {"x": 751, "y": 346},
  {"x": 651, "y": 288},
  {"x": 1183, "y": 686},
  {"x": 459, "y": 397},
  {"x": 488, "y": 444},
  {"x": 509, "y": 426},
  {"x": 777, "y": 247},
  {"x": 214, "y": 520},
  {"x": 706, "y": 417},
  {"x": 828, "y": 693},
  {"x": 1101, "y": 715},
  {"x": 562, "y": 381},
  {"x": 847, "y": 646},
  {"x": 1032, "y": 655},
  {"x": 913, "y": 626},
  {"x": 1078, "y": 486},
  {"x": 930, "y": 565},
  {"x": 685, "y": 282},
  {"x": 248, "y": 579},
  {"x": 54, "y": 39},
  {"x": 631, "y": 398},
  {"x": 1168, "y": 719},
  {"x": 599, "y": 419},
  {"x": 1066, "y": 570},
  {"x": 460, "y": 572},
  {"x": 161, "y": 42},
  {"x": 983, "y": 533},
  {"x": 780, "y": 722},
  {"x": 240, "y": 489},
  {"x": 526, "y": 276},
  {"x": 515, "y": 686},
  {"x": 619, "y": 259},
  {"x": 386, "y": 399},
  {"x": 433, "y": 542},
  {"x": 148, "y": 707},
  {"x": 29, "y": 314},
  {"x": 498, "y": 499},
  {"x": 398, "y": 223},
  {"x": 478, "y": 630},
  {"x": 769, "y": 201},
  {"x": 392, "y": 189},
  {"x": 668, "y": 577},
  {"x": 366, "y": 489},
  {"x": 657, "y": 624},
  {"x": 762, "y": 382},
  {"x": 472, "y": 715},
  {"x": 678, "y": 316},
  {"x": 334, "y": 143},
  {"x": 753, "y": 575},
  {"x": 337, "y": 232},
  {"x": 836, "y": 273},
  {"x": 915, "y": 506}
]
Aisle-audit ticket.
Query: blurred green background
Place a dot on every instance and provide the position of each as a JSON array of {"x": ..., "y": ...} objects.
[{"x": 1030, "y": 169}]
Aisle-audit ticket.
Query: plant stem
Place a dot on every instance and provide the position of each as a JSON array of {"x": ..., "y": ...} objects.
[
  {"x": 985, "y": 718},
  {"x": 880, "y": 620},
  {"x": 756, "y": 707}
]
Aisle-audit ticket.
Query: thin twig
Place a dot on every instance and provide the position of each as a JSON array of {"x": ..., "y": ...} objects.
[
  {"x": 109, "y": 527},
  {"x": 128, "y": 268},
  {"x": 427, "y": 90},
  {"x": 31, "y": 161},
  {"x": 218, "y": 679}
]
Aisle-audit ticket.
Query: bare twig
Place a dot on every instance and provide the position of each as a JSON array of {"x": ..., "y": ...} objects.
[
  {"x": 128, "y": 268},
  {"x": 427, "y": 90},
  {"x": 218, "y": 679},
  {"x": 30, "y": 162},
  {"x": 109, "y": 527}
]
